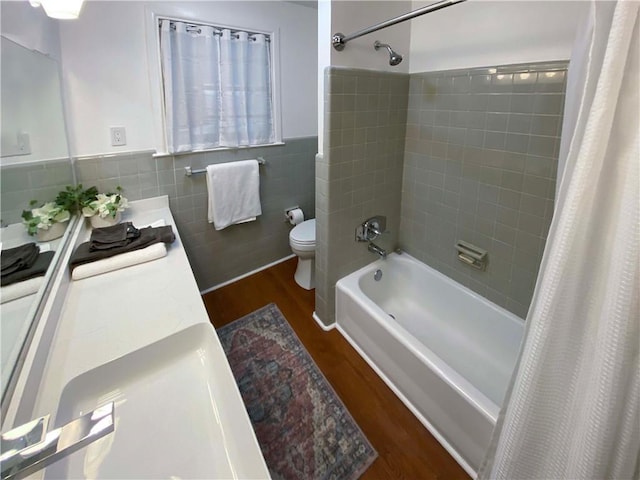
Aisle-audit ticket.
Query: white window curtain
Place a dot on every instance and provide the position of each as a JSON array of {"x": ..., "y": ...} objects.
[
  {"x": 217, "y": 87},
  {"x": 573, "y": 407}
]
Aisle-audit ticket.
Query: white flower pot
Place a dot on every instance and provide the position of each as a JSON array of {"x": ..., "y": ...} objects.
[
  {"x": 98, "y": 222},
  {"x": 56, "y": 230}
]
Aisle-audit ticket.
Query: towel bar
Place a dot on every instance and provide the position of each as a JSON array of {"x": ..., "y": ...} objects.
[{"x": 188, "y": 172}]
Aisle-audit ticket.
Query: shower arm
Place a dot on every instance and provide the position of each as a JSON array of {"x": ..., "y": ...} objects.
[
  {"x": 339, "y": 40},
  {"x": 377, "y": 45}
]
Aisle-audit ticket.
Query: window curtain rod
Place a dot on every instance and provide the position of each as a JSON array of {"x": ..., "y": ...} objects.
[
  {"x": 196, "y": 27},
  {"x": 339, "y": 40}
]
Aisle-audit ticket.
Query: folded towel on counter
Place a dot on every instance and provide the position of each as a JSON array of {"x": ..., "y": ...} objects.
[
  {"x": 20, "y": 289},
  {"x": 234, "y": 193},
  {"x": 18, "y": 258},
  {"x": 114, "y": 236},
  {"x": 123, "y": 260},
  {"x": 148, "y": 236},
  {"x": 37, "y": 269}
]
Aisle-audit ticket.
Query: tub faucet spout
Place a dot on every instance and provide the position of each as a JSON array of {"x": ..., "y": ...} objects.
[{"x": 377, "y": 250}]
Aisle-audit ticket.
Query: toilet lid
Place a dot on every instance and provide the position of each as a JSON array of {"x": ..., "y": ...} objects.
[{"x": 305, "y": 232}]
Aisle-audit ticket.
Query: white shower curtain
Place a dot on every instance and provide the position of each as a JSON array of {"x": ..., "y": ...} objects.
[
  {"x": 572, "y": 411},
  {"x": 217, "y": 87}
]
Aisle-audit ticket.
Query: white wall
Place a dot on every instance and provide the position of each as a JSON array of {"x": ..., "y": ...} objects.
[
  {"x": 30, "y": 27},
  {"x": 348, "y": 17},
  {"x": 470, "y": 34},
  {"x": 484, "y": 33},
  {"x": 110, "y": 77},
  {"x": 324, "y": 60}
]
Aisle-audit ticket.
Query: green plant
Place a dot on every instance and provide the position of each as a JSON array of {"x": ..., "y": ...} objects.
[
  {"x": 75, "y": 198},
  {"x": 106, "y": 204},
  {"x": 43, "y": 216}
]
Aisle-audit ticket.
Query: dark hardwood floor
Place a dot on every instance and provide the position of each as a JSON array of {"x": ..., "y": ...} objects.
[{"x": 406, "y": 449}]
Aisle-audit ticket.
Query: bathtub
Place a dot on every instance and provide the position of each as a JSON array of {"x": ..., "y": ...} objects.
[{"x": 447, "y": 352}]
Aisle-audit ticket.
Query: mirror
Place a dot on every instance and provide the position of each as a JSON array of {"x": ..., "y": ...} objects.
[
  {"x": 32, "y": 121},
  {"x": 34, "y": 165}
]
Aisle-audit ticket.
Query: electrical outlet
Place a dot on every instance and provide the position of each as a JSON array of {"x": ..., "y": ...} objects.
[
  {"x": 24, "y": 143},
  {"x": 118, "y": 136}
]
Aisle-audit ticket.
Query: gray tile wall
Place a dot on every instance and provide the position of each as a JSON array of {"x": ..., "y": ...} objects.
[
  {"x": 217, "y": 256},
  {"x": 360, "y": 173},
  {"x": 20, "y": 184},
  {"x": 480, "y": 165}
]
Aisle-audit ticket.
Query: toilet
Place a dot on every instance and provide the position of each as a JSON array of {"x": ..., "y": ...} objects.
[{"x": 303, "y": 243}]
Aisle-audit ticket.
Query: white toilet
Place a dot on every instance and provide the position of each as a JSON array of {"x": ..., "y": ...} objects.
[{"x": 303, "y": 243}]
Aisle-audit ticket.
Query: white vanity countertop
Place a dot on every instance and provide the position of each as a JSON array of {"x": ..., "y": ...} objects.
[
  {"x": 110, "y": 315},
  {"x": 141, "y": 337}
]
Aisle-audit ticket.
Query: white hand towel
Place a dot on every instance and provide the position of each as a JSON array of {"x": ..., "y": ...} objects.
[
  {"x": 20, "y": 289},
  {"x": 128, "y": 259},
  {"x": 234, "y": 193}
]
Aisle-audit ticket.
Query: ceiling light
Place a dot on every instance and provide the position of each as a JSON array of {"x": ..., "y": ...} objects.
[{"x": 60, "y": 9}]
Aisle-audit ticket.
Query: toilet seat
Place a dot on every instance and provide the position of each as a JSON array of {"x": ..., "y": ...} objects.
[{"x": 303, "y": 235}]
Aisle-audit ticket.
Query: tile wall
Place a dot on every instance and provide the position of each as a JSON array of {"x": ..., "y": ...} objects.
[
  {"x": 360, "y": 173},
  {"x": 217, "y": 256},
  {"x": 20, "y": 184},
  {"x": 480, "y": 165}
]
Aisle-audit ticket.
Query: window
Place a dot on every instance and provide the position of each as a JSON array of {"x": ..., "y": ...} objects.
[{"x": 217, "y": 87}]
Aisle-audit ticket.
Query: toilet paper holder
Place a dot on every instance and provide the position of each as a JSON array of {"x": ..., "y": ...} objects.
[
  {"x": 287, "y": 211},
  {"x": 471, "y": 255}
]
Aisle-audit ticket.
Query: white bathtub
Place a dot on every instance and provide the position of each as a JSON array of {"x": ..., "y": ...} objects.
[{"x": 448, "y": 354}]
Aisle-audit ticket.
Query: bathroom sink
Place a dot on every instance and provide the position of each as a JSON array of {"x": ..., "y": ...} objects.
[{"x": 178, "y": 414}]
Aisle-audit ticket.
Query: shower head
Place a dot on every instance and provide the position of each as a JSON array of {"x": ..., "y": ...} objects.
[{"x": 394, "y": 57}]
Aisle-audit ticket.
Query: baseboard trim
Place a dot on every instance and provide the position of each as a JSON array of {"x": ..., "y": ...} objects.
[
  {"x": 321, "y": 324},
  {"x": 245, "y": 275}
]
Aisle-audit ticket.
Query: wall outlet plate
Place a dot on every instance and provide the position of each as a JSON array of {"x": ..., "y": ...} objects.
[
  {"x": 118, "y": 136},
  {"x": 24, "y": 143},
  {"x": 14, "y": 146}
]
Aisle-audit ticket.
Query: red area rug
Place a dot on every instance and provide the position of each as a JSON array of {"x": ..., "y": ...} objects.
[{"x": 304, "y": 430}]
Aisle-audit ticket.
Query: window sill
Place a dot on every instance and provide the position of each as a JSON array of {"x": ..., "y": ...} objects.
[{"x": 221, "y": 149}]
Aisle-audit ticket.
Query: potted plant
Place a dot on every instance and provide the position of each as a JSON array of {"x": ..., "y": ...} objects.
[
  {"x": 75, "y": 198},
  {"x": 47, "y": 222},
  {"x": 105, "y": 208}
]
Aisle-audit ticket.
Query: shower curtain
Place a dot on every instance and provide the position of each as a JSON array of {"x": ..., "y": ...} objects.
[
  {"x": 217, "y": 87},
  {"x": 572, "y": 410}
]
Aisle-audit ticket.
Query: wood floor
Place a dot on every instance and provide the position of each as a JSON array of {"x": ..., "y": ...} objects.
[{"x": 406, "y": 450}]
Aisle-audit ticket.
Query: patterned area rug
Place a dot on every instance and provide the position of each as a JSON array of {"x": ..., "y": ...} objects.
[{"x": 304, "y": 430}]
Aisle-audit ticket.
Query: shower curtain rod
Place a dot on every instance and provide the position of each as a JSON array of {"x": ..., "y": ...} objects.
[{"x": 339, "y": 40}]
